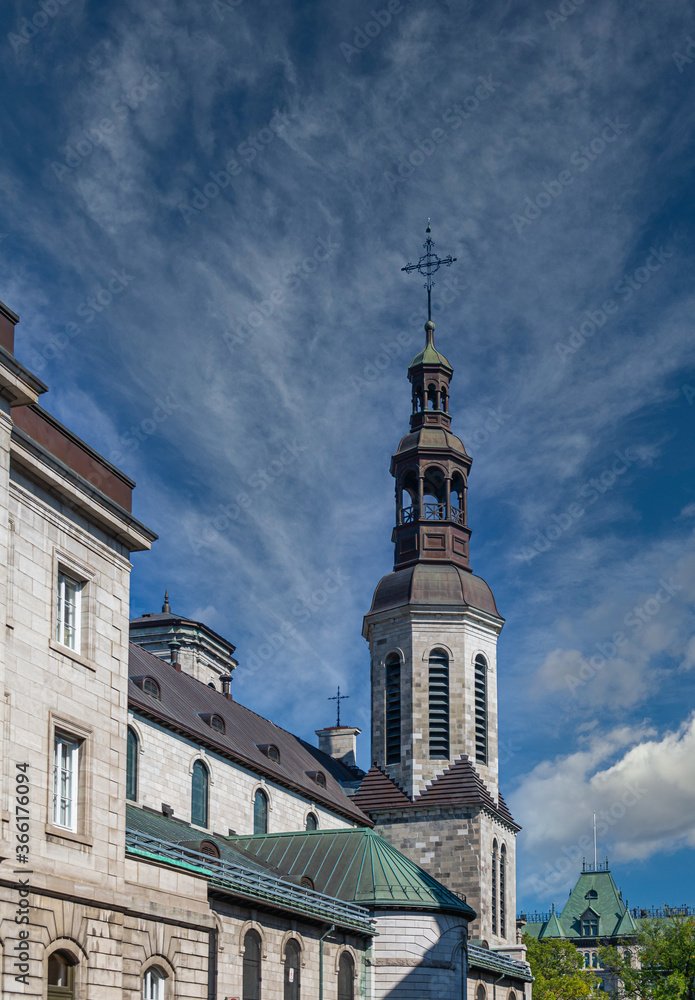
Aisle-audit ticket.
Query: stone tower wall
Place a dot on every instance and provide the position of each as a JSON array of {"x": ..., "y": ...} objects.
[{"x": 413, "y": 635}]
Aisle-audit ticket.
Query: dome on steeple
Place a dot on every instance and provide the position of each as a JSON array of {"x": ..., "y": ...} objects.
[{"x": 430, "y": 355}]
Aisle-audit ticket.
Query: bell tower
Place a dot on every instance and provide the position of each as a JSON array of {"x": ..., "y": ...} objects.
[
  {"x": 433, "y": 789},
  {"x": 433, "y": 626}
]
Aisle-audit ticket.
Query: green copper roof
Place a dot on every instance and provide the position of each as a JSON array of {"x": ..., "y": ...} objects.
[
  {"x": 552, "y": 928},
  {"x": 355, "y": 865},
  {"x": 595, "y": 892},
  {"x": 430, "y": 355}
]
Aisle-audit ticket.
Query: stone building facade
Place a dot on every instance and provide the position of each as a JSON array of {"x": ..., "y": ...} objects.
[{"x": 138, "y": 799}]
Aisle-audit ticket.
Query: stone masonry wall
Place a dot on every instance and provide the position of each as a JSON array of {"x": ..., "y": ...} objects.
[
  {"x": 413, "y": 635},
  {"x": 165, "y": 764},
  {"x": 456, "y": 848}
]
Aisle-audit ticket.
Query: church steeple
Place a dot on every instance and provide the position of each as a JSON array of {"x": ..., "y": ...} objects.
[{"x": 431, "y": 470}]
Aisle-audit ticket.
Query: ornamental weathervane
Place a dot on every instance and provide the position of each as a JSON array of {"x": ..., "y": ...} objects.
[{"x": 428, "y": 265}]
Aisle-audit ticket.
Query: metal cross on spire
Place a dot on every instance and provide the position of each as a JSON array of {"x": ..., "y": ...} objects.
[
  {"x": 338, "y": 697},
  {"x": 428, "y": 265}
]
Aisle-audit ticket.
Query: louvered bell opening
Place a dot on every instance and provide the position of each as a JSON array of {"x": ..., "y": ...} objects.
[
  {"x": 481, "y": 709},
  {"x": 393, "y": 712},
  {"x": 439, "y": 706}
]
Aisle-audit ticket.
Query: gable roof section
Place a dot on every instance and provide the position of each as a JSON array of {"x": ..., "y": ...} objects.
[
  {"x": 355, "y": 865},
  {"x": 184, "y": 699},
  {"x": 460, "y": 784},
  {"x": 379, "y": 793},
  {"x": 552, "y": 928}
]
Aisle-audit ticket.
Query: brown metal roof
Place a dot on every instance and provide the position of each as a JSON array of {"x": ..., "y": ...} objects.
[
  {"x": 459, "y": 785},
  {"x": 184, "y": 699},
  {"x": 428, "y": 584},
  {"x": 379, "y": 792}
]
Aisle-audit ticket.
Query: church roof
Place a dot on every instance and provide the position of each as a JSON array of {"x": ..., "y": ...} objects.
[
  {"x": 458, "y": 785},
  {"x": 355, "y": 865},
  {"x": 433, "y": 584},
  {"x": 379, "y": 793},
  {"x": 184, "y": 705},
  {"x": 430, "y": 356},
  {"x": 164, "y": 840}
]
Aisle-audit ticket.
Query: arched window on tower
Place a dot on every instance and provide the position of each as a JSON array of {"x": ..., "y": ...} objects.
[
  {"x": 439, "y": 704},
  {"x": 503, "y": 891},
  {"x": 260, "y": 812},
  {"x": 393, "y": 709},
  {"x": 481, "y": 709},
  {"x": 434, "y": 495},
  {"x": 200, "y": 781},
  {"x": 458, "y": 498},
  {"x": 495, "y": 862},
  {"x": 432, "y": 397},
  {"x": 131, "y": 784},
  {"x": 252, "y": 966},
  {"x": 443, "y": 403}
]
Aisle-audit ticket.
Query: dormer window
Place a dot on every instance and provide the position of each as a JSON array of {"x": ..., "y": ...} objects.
[
  {"x": 270, "y": 750},
  {"x": 591, "y": 894},
  {"x": 149, "y": 686},
  {"x": 210, "y": 848},
  {"x": 320, "y": 779},
  {"x": 589, "y": 924},
  {"x": 215, "y": 722}
]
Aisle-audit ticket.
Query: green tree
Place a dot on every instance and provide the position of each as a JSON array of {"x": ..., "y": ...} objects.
[
  {"x": 558, "y": 971},
  {"x": 664, "y": 954}
]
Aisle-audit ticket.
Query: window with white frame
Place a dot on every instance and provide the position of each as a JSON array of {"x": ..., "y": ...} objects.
[
  {"x": 153, "y": 984},
  {"x": 66, "y": 757},
  {"x": 69, "y": 611}
]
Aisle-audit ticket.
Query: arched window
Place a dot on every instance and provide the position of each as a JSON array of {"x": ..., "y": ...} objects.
[
  {"x": 131, "y": 783},
  {"x": 432, "y": 397},
  {"x": 199, "y": 794},
  {"x": 274, "y": 753},
  {"x": 594, "y": 960},
  {"x": 151, "y": 687},
  {"x": 306, "y": 882},
  {"x": 393, "y": 709},
  {"x": 434, "y": 495},
  {"x": 439, "y": 705},
  {"x": 260, "y": 812},
  {"x": 312, "y": 822},
  {"x": 495, "y": 858},
  {"x": 346, "y": 977},
  {"x": 503, "y": 889},
  {"x": 217, "y": 723},
  {"x": 481, "y": 709},
  {"x": 293, "y": 955},
  {"x": 61, "y": 976},
  {"x": 481, "y": 993},
  {"x": 153, "y": 983},
  {"x": 252, "y": 966}
]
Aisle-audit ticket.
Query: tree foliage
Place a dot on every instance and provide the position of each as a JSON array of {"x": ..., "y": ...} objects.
[
  {"x": 665, "y": 955},
  {"x": 558, "y": 971}
]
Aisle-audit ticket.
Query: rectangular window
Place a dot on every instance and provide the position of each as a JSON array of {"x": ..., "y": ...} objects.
[
  {"x": 69, "y": 612},
  {"x": 66, "y": 755}
]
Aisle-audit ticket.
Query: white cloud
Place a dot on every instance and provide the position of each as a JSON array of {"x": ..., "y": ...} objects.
[{"x": 641, "y": 787}]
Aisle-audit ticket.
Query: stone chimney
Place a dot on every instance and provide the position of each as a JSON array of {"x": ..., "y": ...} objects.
[{"x": 340, "y": 742}]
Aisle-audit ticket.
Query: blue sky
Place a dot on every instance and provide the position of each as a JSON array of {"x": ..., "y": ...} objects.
[{"x": 204, "y": 209}]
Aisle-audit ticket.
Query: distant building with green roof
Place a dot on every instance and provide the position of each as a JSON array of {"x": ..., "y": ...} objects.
[{"x": 594, "y": 916}]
